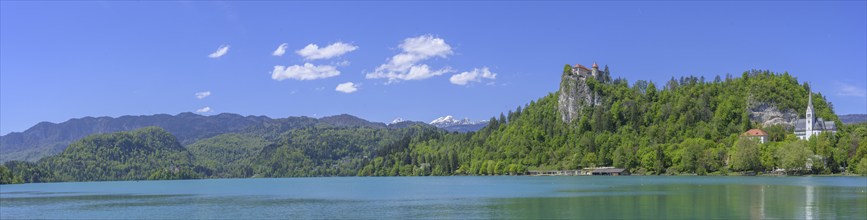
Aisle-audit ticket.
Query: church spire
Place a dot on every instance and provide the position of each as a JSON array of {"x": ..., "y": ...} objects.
[
  {"x": 810, "y": 98},
  {"x": 811, "y": 117},
  {"x": 810, "y": 113}
]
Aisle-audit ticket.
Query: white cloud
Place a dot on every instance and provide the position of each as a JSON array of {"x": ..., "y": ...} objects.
[
  {"x": 280, "y": 50},
  {"x": 204, "y": 110},
  {"x": 473, "y": 76},
  {"x": 415, "y": 72},
  {"x": 347, "y": 87},
  {"x": 202, "y": 95},
  {"x": 222, "y": 50},
  {"x": 850, "y": 90},
  {"x": 313, "y": 52},
  {"x": 306, "y": 72},
  {"x": 426, "y": 45},
  {"x": 405, "y": 65}
]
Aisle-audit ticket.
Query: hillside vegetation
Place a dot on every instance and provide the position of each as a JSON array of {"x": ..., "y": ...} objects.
[
  {"x": 690, "y": 125},
  {"x": 146, "y": 153},
  {"x": 46, "y": 139},
  {"x": 685, "y": 126}
]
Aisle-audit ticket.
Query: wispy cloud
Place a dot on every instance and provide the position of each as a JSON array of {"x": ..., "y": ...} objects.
[
  {"x": 222, "y": 50},
  {"x": 202, "y": 95},
  {"x": 844, "y": 89},
  {"x": 306, "y": 72},
  {"x": 347, "y": 87},
  {"x": 204, "y": 110},
  {"x": 280, "y": 50},
  {"x": 405, "y": 65},
  {"x": 313, "y": 52},
  {"x": 472, "y": 76},
  {"x": 341, "y": 63}
]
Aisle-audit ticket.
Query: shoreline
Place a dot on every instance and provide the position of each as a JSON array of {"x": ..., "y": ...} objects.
[{"x": 308, "y": 177}]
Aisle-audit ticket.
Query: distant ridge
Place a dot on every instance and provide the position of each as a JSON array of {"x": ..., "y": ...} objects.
[
  {"x": 46, "y": 138},
  {"x": 346, "y": 120},
  {"x": 853, "y": 118}
]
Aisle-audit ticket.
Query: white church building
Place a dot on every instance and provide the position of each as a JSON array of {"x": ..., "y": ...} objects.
[{"x": 811, "y": 126}]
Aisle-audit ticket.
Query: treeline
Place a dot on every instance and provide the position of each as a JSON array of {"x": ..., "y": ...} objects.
[
  {"x": 689, "y": 125},
  {"x": 295, "y": 148},
  {"x": 146, "y": 153}
]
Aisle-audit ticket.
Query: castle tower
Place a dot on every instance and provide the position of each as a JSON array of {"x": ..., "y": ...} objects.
[
  {"x": 595, "y": 71},
  {"x": 810, "y": 116}
]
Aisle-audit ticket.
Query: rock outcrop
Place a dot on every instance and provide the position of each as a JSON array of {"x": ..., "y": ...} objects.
[
  {"x": 574, "y": 95},
  {"x": 768, "y": 114}
]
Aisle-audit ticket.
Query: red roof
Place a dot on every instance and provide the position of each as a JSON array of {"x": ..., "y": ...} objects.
[
  {"x": 755, "y": 132},
  {"x": 594, "y": 65},
  {"x": 581, "y": 67}
]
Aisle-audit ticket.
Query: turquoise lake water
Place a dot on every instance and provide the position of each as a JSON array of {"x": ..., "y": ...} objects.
[{"x": 521, "y": 197}]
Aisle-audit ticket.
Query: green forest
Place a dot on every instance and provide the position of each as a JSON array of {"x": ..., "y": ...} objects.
[
  {"x": 686, "y": 126},
  {"x": 689, "y": 126}
]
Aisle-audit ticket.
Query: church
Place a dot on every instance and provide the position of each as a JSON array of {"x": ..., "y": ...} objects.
[{"x": 810, "y": 126}]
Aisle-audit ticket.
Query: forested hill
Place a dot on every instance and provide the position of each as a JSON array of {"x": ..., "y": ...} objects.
[
  {"x": 686, "y": 125},
  {"x": 289, "y": 147},
  {"x": 146, "y": 153},
  {"x": 45, "y": 139}
]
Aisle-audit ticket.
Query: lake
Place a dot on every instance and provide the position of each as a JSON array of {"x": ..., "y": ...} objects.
[{"x": 513, "y": 197}]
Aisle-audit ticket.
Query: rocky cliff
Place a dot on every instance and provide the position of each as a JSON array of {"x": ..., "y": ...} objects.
[
  {"x": 574, "y": 95},
  {"x": 768, "y": 114}
]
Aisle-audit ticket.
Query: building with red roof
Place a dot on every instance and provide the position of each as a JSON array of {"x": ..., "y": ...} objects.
[{"x": 756, "y": 134}]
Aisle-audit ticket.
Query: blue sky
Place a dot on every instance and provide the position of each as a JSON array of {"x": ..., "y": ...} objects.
[{"x": 415, "y": 60}]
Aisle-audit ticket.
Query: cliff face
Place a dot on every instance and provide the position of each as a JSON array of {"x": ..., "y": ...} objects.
[
  {"x": 574, "y": 95},
  {"x": 768, "y": 114}
]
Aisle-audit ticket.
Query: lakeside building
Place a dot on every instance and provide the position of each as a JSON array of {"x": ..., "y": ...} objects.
[{"x": 592, "y": 171}]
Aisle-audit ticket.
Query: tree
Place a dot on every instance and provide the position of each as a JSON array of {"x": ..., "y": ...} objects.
[
  {"x": 746, "y": 155},
  {"x": 794, "y": 156},
  {"x": 6, "y": 176},
  {"x": 692, "y": 157}
]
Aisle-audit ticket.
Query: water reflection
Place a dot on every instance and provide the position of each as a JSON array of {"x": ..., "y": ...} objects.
[
  {"x": 808, "y": 208},
  {"x": 446, "y": 197},
  {"x": 697, "y": 202}
]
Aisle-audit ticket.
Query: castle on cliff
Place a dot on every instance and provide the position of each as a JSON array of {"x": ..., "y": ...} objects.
[
  {"x": 583, "y": 72},
  {"x": 574, "y": 92}
]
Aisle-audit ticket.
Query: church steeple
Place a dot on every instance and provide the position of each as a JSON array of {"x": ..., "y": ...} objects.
[
  {"x": 810, "y": 116},
  {"x": 810, "y": 100}
]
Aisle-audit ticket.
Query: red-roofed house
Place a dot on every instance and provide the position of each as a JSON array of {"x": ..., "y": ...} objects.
[{"x": 756, "y": 134}]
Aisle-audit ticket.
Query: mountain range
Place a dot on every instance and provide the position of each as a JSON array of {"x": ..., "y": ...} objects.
[
  {"x": 853, "y": 118},
  {"x": 46, "y": 138}
]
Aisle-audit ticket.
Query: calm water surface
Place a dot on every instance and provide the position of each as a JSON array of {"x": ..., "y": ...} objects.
[{"x": 446, "y": 197}]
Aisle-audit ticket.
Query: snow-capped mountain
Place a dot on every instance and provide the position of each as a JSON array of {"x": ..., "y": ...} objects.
[
  {"x": 450, "y": 123},
  {"x": 397, "y": 120},
  {"x": 449, "y": 120}
]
